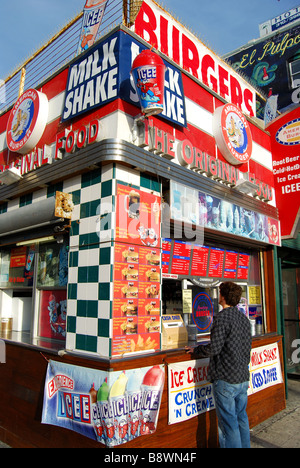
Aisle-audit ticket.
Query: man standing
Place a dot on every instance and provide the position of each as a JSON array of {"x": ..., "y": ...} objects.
[{"x": 229, "y": 351}]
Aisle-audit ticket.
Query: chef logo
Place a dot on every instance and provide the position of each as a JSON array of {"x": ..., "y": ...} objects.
[
  {"x": 27, "y": 121},
  {"x": 232, "y": 134}
]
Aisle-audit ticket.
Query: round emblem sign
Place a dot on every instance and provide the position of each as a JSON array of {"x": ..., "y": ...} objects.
[
  {"x": 233, "y": 135},
  {"x": 203, "y": 312},
  {"x": 27, "y": 121}
]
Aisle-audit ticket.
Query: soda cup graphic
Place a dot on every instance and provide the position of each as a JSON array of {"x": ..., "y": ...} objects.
[
  {"x": 148, "y": 71},
  {"x": 102, "y": 399},
  {"x": 118, "y": 405},
  {"x": 152, "y": 388},
  {"x": 133, "y": 395},
  {"x": 92, "y": 18}
]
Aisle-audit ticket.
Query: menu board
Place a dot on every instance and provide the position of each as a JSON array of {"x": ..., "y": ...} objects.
[
  {"x": 216, "y": 261},
  {"x": 185, "y": 259},
  {"x": 230, "y": 267},
  {"x": 136, "y": 305},
  {"x": 181, "y": 258},
  {"x": 243, "y": 266},
  {"x": 166, "y": 253},
  {"x": 199, "y": 261}
]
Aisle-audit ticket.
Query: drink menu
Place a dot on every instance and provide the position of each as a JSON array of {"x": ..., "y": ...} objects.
[
  {"x": 216, "y": 262},
  {"x": 185, "y": 259},
  {"x": 181, "y": 258}
]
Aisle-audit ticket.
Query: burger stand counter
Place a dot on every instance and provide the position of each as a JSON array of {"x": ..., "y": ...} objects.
[
  {"x": 72, "y": 385},
  {"x": 114, "y": 239}
]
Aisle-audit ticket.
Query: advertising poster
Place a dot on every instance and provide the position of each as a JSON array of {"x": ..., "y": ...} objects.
[
  {"x": 265, "y": 368},
  {"x": 111, "y": 408},
  {"x": 190, "y": 394},
  {"x": 53, "y": 314},
  {"x": 137, "y": 275},
  {"x": 205, "y": 211}
]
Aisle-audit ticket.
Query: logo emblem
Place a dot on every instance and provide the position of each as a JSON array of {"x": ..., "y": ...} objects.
[
  {"x": 27, "y": 121},
  {"x": 289, "y": 134},
  {"x": 233, "y": 135}
]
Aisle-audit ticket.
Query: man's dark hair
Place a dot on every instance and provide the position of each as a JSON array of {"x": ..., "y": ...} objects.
[{"x": 231, "y": 292}]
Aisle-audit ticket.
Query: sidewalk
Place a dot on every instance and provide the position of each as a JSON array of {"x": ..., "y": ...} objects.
[{"x": 283, "y": 429}]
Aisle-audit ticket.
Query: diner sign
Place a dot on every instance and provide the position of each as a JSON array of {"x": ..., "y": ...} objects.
[{"x": 158, "y": 28}]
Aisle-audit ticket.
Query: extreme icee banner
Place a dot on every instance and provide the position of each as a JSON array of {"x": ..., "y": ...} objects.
[{"x": 109, "y": 407}]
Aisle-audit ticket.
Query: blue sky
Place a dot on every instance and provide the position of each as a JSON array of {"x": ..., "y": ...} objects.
[{"x": 223, "y": 25}]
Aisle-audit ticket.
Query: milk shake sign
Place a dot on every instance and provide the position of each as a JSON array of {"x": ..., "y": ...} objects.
[{"x": 160, "y": 30}]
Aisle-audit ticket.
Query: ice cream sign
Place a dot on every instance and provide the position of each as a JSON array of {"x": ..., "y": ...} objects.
[{"x": 111, "y": 408}]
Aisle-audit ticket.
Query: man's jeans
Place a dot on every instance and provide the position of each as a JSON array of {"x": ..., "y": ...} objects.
[{"x": 231, "y": 403}]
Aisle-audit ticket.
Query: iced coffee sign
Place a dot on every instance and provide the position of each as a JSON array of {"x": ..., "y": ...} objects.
[
  {"x": 265, "y": 368},
  {"x": 111, "y": 408}
]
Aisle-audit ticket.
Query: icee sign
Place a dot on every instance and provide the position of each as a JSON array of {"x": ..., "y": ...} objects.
[{"x": 102, "y": 74}]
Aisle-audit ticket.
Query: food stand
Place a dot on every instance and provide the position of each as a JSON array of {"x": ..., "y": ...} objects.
[{"x": 113, "y": 216}]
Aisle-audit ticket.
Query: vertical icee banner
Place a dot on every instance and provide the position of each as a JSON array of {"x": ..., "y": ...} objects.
[{"x": 111, "y": 408}]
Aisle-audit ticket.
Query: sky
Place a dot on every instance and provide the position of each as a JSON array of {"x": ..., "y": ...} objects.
[{"x": 223, "y": 25}]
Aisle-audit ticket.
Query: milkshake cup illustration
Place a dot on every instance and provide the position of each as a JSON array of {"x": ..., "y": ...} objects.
[
  {"x": 133, "y": 395},
  {"x": 118, "y": 406},
  {"x": 152, "y": 388},
  {"x": 92, "y": 18},
  {"x": 102, "y": 400}
]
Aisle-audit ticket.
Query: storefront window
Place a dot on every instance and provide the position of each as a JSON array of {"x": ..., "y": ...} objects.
[
  {"x": 52, "y": 266},
  {"x": 17, "y": 267},
  {"x": 199, "y": 270},
  {"x": 40, "y": 271}
]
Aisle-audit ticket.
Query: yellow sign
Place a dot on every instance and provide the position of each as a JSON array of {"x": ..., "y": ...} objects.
[
  {"x": 254, "y": 295},
  {"x": 187, "y": 301}
]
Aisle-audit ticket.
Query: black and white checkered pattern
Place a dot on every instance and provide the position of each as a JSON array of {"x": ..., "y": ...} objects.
[{"x": 230, "y": 347}]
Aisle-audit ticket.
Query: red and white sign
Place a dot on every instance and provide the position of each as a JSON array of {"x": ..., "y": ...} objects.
[
  {"x": 285, "y": 140},
  {"x": 233, "y": 135},
  {"x": 164, "y": 33},
  {"x": 265, "y": 368},
  {"x": 27, "y": 121}
]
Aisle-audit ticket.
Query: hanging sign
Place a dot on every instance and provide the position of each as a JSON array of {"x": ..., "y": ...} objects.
[
  {"x": 233, "y": 135},
  {"x": 27, "y": 121},
  {"x": 92, "y": 18},
  {"x": 111, "y": 408}
]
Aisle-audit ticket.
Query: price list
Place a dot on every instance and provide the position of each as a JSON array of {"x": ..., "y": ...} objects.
[
  {"x": 199, "y": 261},
  {"x": 166, "y": 253},
  {"x": 231, "y": 262},
  {"x": 216, "y": 263},
  {"x": 181, "y": 258},
  {"x": 243, "y": 266}
]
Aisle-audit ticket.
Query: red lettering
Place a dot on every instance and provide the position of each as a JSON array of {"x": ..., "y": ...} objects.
[
  {"x": 223, "y": 78},
  {"x": 209, "y": 80},
  {"x": 146, "y": 24},
  {"x": 249, "y": 101},
  {"x": 164, "y": 35},
  {"x": 236, "y": 92},
  {"x": 190, "y": 56},
  {"x": 176, "y": 48},
  {"x": 93, "y": 131}
]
